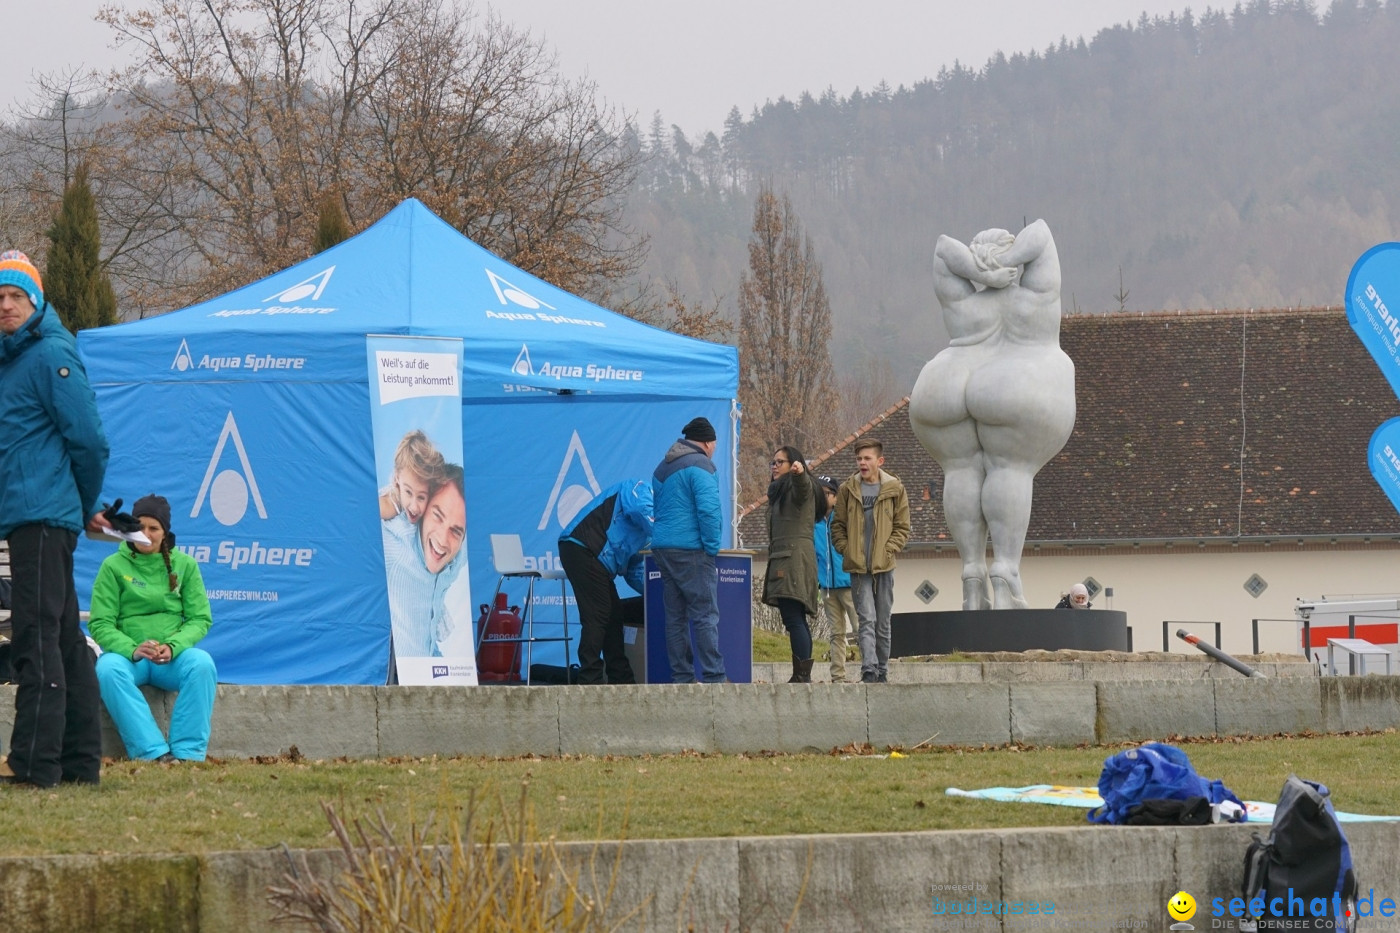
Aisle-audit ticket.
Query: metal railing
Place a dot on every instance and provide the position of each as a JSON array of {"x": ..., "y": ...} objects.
[{"x": 1254, "y": 632}]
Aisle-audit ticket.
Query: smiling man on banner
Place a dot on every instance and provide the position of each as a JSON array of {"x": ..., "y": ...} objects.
[
  {"x": 421, "y": 562},
  {"x": 416, "y": 412}
]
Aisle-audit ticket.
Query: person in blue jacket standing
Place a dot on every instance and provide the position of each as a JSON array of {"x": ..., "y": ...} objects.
[
  {"x": 53, "y": 457},
  {"x": 603, "y": 542},
  {"x": 835, "y": 584},
  {"x": 685, "y": 541}
]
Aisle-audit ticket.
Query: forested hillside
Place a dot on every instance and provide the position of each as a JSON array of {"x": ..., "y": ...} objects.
[{"x": 1219, "y": 159}]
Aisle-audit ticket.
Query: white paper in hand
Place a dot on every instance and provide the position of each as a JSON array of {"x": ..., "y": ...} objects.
[{"x": 112, "y": 534}]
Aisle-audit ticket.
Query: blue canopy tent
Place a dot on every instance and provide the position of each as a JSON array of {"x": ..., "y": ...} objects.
[{"x": 251, "y": 414}]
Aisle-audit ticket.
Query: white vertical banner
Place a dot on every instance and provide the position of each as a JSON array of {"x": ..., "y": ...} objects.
[{"x": 416, "y": 413}]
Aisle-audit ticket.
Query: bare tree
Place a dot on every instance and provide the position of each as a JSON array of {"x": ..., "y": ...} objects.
[
  {"x": 784, "y": 330},
  {"x": 237, "y": 116},
  {"x": 1122, "y": 295},
  {"x": 864, "y": 391},
  {"x": 41, "y": 150},
  {"x": 701, "y": 320}
]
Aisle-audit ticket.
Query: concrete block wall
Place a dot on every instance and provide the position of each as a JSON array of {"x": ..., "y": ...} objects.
[
  {"x": 1129, "y": 668},
  {"x": 1096, "y": 877},
  {"x": 376, "y": 722}
]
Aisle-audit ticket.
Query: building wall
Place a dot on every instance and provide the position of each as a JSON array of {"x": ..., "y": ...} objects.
[{"x": 1180, "y": 584}]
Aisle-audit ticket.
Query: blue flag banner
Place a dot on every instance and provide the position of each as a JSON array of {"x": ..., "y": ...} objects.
[
  {"x": 1383, "y": 454},
  {"x": 1373, "y": 307}
]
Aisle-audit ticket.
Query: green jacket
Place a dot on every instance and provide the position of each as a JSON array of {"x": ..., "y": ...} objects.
[
  {"x": 891, "y": 515},
  {"x": 791, "y": 571},
  {"x": 132, "y": 602}
]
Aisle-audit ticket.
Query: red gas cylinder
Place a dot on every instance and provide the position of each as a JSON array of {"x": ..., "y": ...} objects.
[{"x": 498, "y": 661}]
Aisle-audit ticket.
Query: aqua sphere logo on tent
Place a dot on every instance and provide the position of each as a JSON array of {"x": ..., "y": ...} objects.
[
  {"x": 227, "y": 489},
  {"x": 185, "y": 361},
  {"x": 520, "y": 305},
  {"x": 286, "y": 301},
  {"x": 592, "y": 372},
  {"x": 574, "y": 487}
]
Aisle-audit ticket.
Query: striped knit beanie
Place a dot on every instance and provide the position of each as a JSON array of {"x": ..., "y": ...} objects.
[{"x": 17, "y": 270}]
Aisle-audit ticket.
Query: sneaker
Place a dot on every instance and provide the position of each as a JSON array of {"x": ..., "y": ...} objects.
[
  {"x": 868, "y": 677},
  {"x": 167, "y": 759},
  {"x": 882, "y": 678}
]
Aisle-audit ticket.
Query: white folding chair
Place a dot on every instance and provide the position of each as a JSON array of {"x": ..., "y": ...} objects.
[{"x": 508, "y": 557}]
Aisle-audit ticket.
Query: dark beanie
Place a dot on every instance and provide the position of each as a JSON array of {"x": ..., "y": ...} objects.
[
  {"x": 699, "y": 429},
  {"x": 153, "y": 506}
]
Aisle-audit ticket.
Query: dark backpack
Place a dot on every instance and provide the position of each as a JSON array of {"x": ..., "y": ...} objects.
[
  {"x": 1154, "y": 771},
  {"x": 1306, "y": 857}
]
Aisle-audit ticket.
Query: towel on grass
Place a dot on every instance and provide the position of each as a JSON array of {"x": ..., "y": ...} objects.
[{"x": 1087, "y": 798}]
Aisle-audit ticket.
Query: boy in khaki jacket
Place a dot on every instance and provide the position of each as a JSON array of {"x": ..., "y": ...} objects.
[{"x": 869, "y": 527}]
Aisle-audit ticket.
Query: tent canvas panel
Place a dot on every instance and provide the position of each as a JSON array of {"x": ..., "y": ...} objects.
[
  {"x": 532, "y": 466},
  {"x": 283, "y": 361},
  {"x": 275, "y": 501}
]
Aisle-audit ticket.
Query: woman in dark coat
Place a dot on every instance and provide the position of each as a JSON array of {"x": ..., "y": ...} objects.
[{"x": 790, "y": 579}]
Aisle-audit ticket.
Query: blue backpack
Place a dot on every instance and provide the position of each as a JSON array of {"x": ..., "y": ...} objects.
[
  {"x": 1305, "y": 858},
  {"x": 1154, "y": 771}
]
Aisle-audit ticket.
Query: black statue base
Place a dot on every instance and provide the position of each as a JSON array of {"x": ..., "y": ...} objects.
[{"x": 916, "y": 633}]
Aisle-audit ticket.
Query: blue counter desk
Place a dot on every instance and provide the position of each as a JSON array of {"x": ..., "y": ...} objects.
[{"x": 735, "y": 569}]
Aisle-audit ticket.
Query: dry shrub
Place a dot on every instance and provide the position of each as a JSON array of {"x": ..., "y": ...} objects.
[{"x": 459, "y": 885}]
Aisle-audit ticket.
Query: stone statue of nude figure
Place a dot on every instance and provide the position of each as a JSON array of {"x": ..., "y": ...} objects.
[{"x": 998, "y": 403}]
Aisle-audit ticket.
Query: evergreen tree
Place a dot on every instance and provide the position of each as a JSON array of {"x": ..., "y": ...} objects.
[
  {"x": 331, "y": 225},
  {"x": 76, "y": 281},
  {"x": 786, "y": 381}
]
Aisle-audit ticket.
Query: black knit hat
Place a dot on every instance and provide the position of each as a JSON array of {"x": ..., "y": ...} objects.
[
  {"x": 699, "y": 429},
  {"x": 153, "y": 506},
  {"x": 829, "y": 483}
]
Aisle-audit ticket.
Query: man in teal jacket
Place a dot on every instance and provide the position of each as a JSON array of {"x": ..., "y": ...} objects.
[
  {"x": 685, "y": 540},
  {"x": 53, "y": 456}
]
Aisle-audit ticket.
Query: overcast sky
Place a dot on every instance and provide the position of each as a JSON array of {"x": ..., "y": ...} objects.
[{"x": 690, "y": 61}]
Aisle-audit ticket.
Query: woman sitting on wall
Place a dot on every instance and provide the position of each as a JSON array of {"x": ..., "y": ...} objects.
[{"x": 148, "y": 612}]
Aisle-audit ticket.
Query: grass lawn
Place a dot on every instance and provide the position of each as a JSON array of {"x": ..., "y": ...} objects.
[{"x": 222, "y": 805}]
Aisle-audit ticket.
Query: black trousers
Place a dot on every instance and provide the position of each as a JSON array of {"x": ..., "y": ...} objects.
[
  {"x": 601, "y": 614},
  {"x": 57, "y": 734}
]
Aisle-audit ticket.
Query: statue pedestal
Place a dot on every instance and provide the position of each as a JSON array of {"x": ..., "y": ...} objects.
[{"x": 916, "y": 633}]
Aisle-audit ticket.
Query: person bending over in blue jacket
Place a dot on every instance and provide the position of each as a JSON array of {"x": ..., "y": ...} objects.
[
  {"x": 603, "y": 542},
  {"x": 685, "y": 541}
]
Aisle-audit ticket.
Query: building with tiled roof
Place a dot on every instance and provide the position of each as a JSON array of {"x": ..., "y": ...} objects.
[{"x": 1212, "y": 451}]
